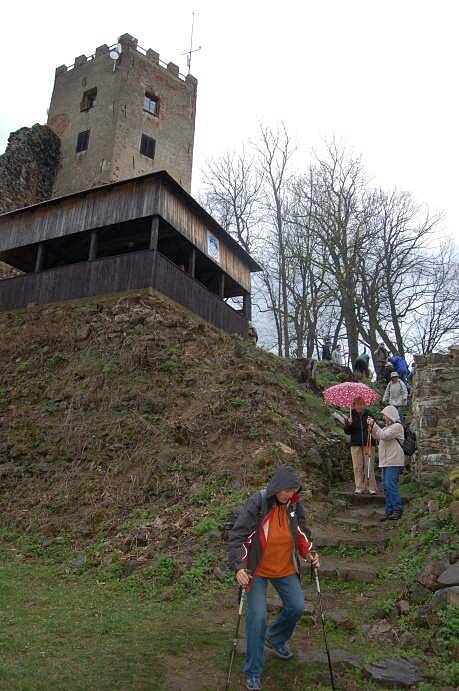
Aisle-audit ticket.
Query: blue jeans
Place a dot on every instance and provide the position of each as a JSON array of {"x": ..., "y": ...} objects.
[
  {"x": 391, "y": 476},
  {"x": 401, "y": 410},
  {"x": 291, "y": 594}
]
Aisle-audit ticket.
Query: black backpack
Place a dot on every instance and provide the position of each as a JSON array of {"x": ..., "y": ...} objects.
[{"x": 409, "y": 445}]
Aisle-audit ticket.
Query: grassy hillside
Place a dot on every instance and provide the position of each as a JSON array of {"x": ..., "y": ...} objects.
[{"x": 117, "y": 411}]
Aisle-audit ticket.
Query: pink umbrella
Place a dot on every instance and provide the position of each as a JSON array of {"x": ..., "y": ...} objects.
[{"x": 343, "y": 395}]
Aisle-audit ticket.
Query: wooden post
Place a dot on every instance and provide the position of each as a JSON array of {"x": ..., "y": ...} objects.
[
  {"x": 247, "y": 306},
  {"x": 222, "y": 285},
  {"x": 154, "y": 228},
  {"x": 92, "y": 246},
  {"x": 39, "y": 257},
  {"x": 192, "y": 265}
]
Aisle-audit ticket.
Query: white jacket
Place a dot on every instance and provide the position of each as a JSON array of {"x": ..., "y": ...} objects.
[{"x": 390, "y": 438}]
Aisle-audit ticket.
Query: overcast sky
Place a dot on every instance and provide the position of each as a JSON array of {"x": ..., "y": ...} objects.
[{"x": 381, "y": 76}]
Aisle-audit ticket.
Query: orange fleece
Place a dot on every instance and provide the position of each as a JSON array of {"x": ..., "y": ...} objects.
[{"x": 277, "y": 560}]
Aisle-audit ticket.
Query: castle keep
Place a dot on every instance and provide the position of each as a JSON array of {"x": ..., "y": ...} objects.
[
  {"x": 120, "y": 216},
  {"x": 120, "y": 118}
]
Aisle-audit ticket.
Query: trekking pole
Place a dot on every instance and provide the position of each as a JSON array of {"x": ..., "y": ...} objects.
[
  {"x": 315, "y": 577},
  {"x": 236, "y": 635}
]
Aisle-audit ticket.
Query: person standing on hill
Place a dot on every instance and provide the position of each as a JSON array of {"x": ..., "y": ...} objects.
[
  {"x": 380, "y": 358},
  {"x": 336, "y": 356},
  {"x": 265, "y": 545},
  {"x": 362, "y": 365},
  {"x": 400, "y": 365},
  {"x": 326, "y": 349},
  {"x": 391, "y": 459},
  {"x": 396, "y": 394},
  {"x": 356, "y": 426}
]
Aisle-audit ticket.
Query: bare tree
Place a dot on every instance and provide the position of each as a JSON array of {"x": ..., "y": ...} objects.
[
  {"x": 232, "y": 195},
  {"x": 274, "y": 151},
  {"x": 435, "y": 318}
]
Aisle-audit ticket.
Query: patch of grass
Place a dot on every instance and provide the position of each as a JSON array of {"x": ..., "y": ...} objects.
[
  {"x": 237, "y": 402},
  {"x": 168, "y": 366},
  {"x": 206, "y": 525},
  {"x": 59, "y": 358}
]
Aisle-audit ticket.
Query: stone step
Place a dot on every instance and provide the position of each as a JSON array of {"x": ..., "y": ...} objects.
[
  {"x": 341, "y": 659},
  {"x": 365, "y": 499},
  {"x": 357, "y": 521},
  {"x": 347, "y": 570},
  {"x": 335, "y": 539}
]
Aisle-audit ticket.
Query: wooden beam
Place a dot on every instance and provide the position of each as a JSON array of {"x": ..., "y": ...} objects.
[
  {"x": 39, "y": 257},
  {"x": 192, "y": 265},
  {"x": 222, "y": 285},
  {"x": 247, "y": 306},
  {"x": 154, "y": 232},
  {"x": 93, "y": 246}
]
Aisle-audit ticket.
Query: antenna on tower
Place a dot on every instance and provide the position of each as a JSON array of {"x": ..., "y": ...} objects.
[{"x": 192, "y": 50}]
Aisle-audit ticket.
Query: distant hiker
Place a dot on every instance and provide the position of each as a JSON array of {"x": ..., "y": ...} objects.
[
  {"x": 412, "y": 372},
  {"x": 326, "y": 349},
  {"x": 362, "y": 365},
  {"x": 391, "y": 459},
  {"x": 400, "y": 366},
  {"x": 389, "y": 368},
  {"x": 252, "y": 333},
  {"x": 266, "y": 544},
  {"x": 356, "y": 426},
  {"x": 380, "y": 358},
  {"x": 336, "y": 355},
  {"x": 396, "y": 394}
]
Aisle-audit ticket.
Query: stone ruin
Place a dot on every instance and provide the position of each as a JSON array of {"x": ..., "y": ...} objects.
[{"x": 436, "y": 410}]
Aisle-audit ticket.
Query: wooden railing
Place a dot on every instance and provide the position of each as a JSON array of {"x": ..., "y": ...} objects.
[{"x": 123, "y": 272}]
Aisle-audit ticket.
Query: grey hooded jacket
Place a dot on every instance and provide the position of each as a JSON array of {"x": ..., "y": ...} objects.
[{"x": 249, "y": 534}]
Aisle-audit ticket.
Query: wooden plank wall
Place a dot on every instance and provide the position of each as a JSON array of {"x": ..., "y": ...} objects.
[
  {"x": 131, "y": 271},
  {"x": 174, "y": 210}
]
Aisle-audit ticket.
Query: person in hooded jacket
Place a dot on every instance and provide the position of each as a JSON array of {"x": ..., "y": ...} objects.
[
  {"x": 266, "y": 543},
  {"x": 391, "y": 459}
]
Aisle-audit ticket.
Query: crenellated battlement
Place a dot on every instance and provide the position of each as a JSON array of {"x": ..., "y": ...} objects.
[{"x": 129, "y": 43}]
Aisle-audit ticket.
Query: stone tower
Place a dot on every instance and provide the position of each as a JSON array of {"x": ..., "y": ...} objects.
[{"x": 119, "y": 119}]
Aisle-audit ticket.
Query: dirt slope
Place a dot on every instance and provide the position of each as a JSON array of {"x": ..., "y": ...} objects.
[{"x": 129, "y": 403}]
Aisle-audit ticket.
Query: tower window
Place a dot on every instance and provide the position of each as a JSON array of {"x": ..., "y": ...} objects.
[
  {"x": 151, "y": 103},
  {"x": 89, "y": 99},
  {"x": 147, "y": 146},
  {"x": 82, "y": 141}
]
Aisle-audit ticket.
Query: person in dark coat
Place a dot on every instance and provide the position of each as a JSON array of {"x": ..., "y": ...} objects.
[
  {"x": 356, "y": 426},
  {"x": 362, "y": 365},
  {"x": 326, "y": 349},
  {"x": 265, "y": 545},
  {"x": 380, "y": 358}
]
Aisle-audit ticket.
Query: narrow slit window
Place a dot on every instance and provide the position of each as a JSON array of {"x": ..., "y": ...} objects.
[
  {"x": 147, "y": 146},
  {"x": 151, "y": 103},
  {"x": 82, "y": 141},
  {"x": 89, "y": 99}
]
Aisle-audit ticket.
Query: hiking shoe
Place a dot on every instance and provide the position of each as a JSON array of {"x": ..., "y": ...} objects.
[
  {"x": 253, "y": 683},
  {"x": 396, "y": 516},
  {"x": 372, "y": 492},
  {"x": 358, "y": 491},
  {"x": 386, "y": 517},
  {"x": 280, "y": 650}
]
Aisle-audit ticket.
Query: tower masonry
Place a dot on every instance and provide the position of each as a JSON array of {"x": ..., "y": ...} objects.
[{"x": 118, "y": 119}]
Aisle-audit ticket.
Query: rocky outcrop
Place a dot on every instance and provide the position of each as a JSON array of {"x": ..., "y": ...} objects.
[
  {"x": 27, "y": 171},
  {"x": 28, "y": 167},
  {"x": 436, "y": 409}
]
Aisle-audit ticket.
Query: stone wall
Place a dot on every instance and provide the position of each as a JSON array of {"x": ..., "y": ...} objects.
[
  {"x": 27, "y": 171},
  {"x": 436, "y": 409}
]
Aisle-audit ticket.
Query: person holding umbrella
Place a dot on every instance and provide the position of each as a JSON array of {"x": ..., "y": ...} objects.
[
  {"x": 362, "y": 448},
  {"x": 355, "y": 396}
]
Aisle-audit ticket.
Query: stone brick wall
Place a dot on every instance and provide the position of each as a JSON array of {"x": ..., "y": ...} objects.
[
  {"x": 27, "y": 172},
  {"x": 118, "y": 119},
  {"x": 436, "y": 409}
]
